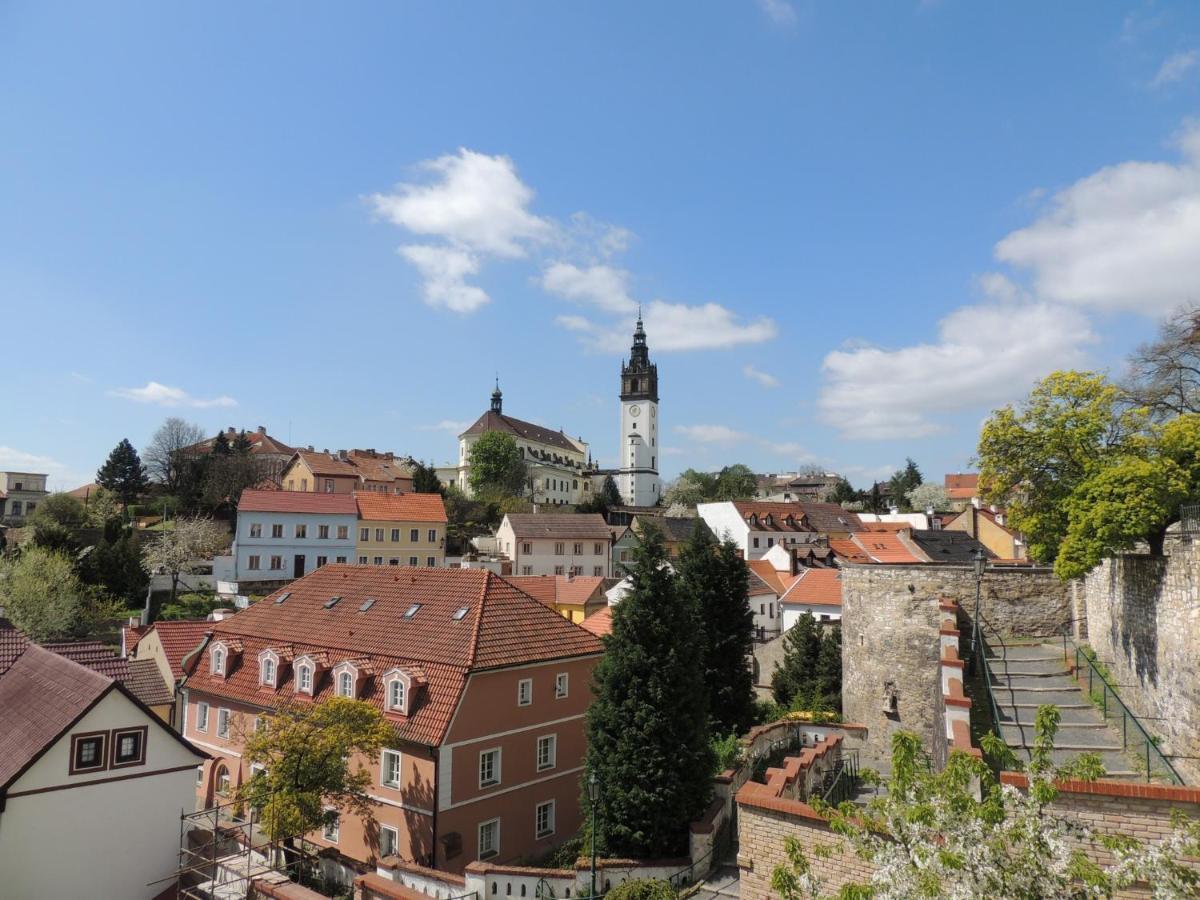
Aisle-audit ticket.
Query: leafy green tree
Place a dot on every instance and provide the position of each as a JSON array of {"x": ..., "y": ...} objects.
[
  {"x": 496, "y": 465},
  {"x": 114, "y": 565},
  {"x": 907, "y": 479},
  {"x": 648, "y": 739},
  {"x": 736, "y": 482},
  {"x": 123, "y": 473},
  {"x": 101, "y": 508},
  {"x": 43, "y": 596},
  {"x": 308, "y": 753},
  {"x": 1034, "y": 456},
  {"x": 643, "y": 889},
  {"x": 959, "y": 833},
  {"x": 192, "y": 605},
  {"x": 715, "y": 578},
  {"x": 843, "y": 492},
  {"x": 798, "y": 672},
  {"x": 873, "y": 499},
  {"x": 685, "y": 491},
  {"x": 60, "y": 509},
  {"x": 425, "y": 479}
]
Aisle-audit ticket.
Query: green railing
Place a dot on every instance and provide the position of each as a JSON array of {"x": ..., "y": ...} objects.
[{"x": 1135, "y": 739}]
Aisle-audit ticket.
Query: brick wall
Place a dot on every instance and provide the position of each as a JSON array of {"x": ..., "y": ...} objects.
[
  {"x": 763, "y": 825},
  {"x": 1144, "y": 624}
]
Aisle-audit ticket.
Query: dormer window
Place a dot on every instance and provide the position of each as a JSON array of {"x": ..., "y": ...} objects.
[
  {"x": 400, "y": 687},
  {"x": 767, "y": 520},
  {"x": 348, "y": 677},
  {"x": 268, "y": 668},
  {"x": 753, "y": 518},
  {"x": 304, "y": 678},
  {"x": 218, "y": 660},
  {"x": 345, "y": 684}
]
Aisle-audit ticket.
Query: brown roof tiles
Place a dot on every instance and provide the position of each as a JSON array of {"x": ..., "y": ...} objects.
[
  {"x": 296, "y": 502},
  {"x": 585, "y": 526},
  {"x": 494, "y": 421}
]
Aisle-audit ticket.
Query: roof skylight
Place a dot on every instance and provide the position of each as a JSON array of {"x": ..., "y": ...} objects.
[
  {"x": 283, "y": 596},
  {"x": 367, "y": 604},
  {"x": 412, "y": 610},
  {"x": 460, "y": 613},
  {"x": 332, "y": 602}
]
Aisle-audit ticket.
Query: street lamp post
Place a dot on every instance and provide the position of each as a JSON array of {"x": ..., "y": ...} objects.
[
  {"x": 979, "y": 564},
  {"x": 593, "y": 795}
]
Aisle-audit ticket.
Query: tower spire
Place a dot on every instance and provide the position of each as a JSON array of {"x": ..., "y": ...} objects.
[{"x": 497, "y": 398}]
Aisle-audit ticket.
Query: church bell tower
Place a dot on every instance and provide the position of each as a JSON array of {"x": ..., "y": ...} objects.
[{"x": 638, "y": 480}]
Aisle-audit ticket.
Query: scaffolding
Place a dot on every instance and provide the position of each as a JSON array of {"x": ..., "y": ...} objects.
[{"x": 223, "y": 851}]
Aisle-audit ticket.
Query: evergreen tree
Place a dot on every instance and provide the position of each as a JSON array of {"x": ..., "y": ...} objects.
[
  {"x": 829, "y": 669},
  {"x": 425, "y": 479},
  {"x": 220, "y": 445},
  {"x": 609, "y": 493},
  {"x": 843, "y": 492},
  {"x": 801, "y": 649},
  {"x": 241, "y": 443},
  {"x": 648, "y": 740},
  {"x": 908, "y": 479},
  {"x": 716, "y": 579},
  {"x": 123, "y": 473}
]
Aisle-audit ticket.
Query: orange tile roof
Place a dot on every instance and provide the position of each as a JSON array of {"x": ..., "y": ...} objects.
[
  {"x": 883, "y": 547},
  {"x": 551, "y": 589},
  {"x": 815, "y": 587},
  {"x": 400, "y": 507},
  {"x": 779, "y": 513},
  {"x": 962, "y": 486},
  {"x": 179, "y": 637},
  {"x": 767, "y": 574},
  {"x": 599, "y": 623},
  {"x": 892, "y": 527},
  {"x": 501, "y": 626},
  {"x": 296, "y": 502},
  {"x": 848, "y": 550}
]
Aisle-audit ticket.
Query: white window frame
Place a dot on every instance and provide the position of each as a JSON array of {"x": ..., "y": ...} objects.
[
  {"x": 341, "y": 676},
  {"x": 395, "y": 832},
  {"x": 391, "y": 678},
  {"x": 302, "y": 669},
  {"x": 268, "y": 656},
  {"x": 383, "y": 762},
  {"x": 551, "y": 741},
  {"x": 202, "y": 717},
  {"x": 217, "y": 658},
  {"x": 562, "y": 685},
  {"x": 525, "y": 692},
  {"x": 494, "y": 850},
  {"x": 540, "y": 833},
  {"x": 496, "y": 774},
  {"x": 256, "y": 529},
  {"x": 332, "y": 831},
  {"x": 223, "y": 729}
]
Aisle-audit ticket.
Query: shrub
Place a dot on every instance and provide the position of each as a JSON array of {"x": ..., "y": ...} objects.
[{"x": 643, "y": 889}]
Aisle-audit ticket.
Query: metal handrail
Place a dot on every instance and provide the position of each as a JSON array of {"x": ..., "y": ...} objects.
[
  {"x": 981, "y": 651},
  {"x": 1153, "y": 753},
  {"x": 844, "y": 780}
]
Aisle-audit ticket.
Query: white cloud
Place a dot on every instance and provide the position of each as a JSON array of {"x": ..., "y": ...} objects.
[
  {"x": 763, "y": 378},
  {"x": 603, "y": 286},
  {"x": 781, "y": 12},
  {"x": 164, "y": 395},
  {"x": 61, "y": 476},
  {"x": 1175, "y": 66},
  {"x": 475, "y": 201},
  {"x": 445, "y": 270},
  {"x": 445, "y": 425},
  {"x": 1124, "y": 238},
  {"x": 677, "y": 326},
  {"x": 711, "y": 434},
  {"x": 672, "y": 451},
  {"x": 985, "y": 354}
]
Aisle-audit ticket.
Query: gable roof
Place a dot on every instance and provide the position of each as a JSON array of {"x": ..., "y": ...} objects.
[
  {"x": 589, "y": 526},
  {"x": 815, "y": 587},
  {"x": 829, "y": 517},
  {"x": 599, "y": 623},
  {"x": 494, "y": 421},
  {"x": 400, "y": 507},
  {"x": 962, "y": 485},
  {"x": 888, "y": 547},
  {"x": 763, "y": 571},
  {"x": 551, "y": 589},
  {"x": 296, "y": 502},
  {"x": 848, "y": 550},
  {"x": 41, "y": 695},
  {"x": 260, "y": 442},
  {"x": 949, "y": 546},
  {"x": 779, "y": 513},
  {"x": 500, "y": 626},
  {"x": 679, "y": 528},
  {"x": 358, "y": 464},
  {"x": 145, "y": 682},
  {"x": 179, "y": 638}
]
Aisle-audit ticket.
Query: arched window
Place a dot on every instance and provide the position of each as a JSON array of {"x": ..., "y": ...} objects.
[
  {"x": 218, "y": 661},
  {"x": 304, "y": 678},
  {"x": 268, "y": 670},
  {"x": 346, "y": 684},
  {"x": 395, "y": 696},
  {"x": 223, "y": 782}
]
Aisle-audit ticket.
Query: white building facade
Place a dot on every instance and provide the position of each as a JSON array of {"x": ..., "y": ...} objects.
[
  {"x": 20, "y": 493},
  {"x": 550, "y": 544}
]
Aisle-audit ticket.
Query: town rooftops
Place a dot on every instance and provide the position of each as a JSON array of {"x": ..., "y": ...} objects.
[
  {"x": 179, "y": 638},
  {"x": 400, "y": 507},
  {"x": 444, "y": 622},
  {"x": 599, "y": 623},
  {"x": 886, "y": 547},
  {"x": 260, "y": 442},
  {"x": 949, "y": 546},
  {"x": 679, "y": 528},
  {"x": 815, "y": 587},
  {"x": 586, "y": 526},
  {"x": 494, "y": 421},
  {"x": 829, "y": 518},
  {"x": 765, "y": 575},
  {"x": 367, "y": 465},
  {"x": 763, "y": 515},
  {"x": 552, "y": 589},
  {"x": 296, "y": 502},
  {"x": 962, "y": 485}
]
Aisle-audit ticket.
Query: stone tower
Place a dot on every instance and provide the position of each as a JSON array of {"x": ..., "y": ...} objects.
[{"x": 638, "y": 479}]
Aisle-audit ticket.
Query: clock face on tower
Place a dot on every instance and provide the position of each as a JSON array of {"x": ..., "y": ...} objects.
[{"x": 635, "y": 411}]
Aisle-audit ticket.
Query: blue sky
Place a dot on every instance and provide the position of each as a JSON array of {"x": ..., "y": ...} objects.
[{"x": 854, "y": 227}]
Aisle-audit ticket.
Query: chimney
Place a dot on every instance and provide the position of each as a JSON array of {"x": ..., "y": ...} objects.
[
  {"x": 342, "y": 454},
  {"x": 262, "y": 429},
  {"x": 230, "y": 430},
  {"x": 309, "y": 448},
  {"x": 975, "y": 502}
]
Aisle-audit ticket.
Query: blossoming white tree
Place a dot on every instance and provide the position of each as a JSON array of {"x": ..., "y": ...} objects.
[{"x": 960, "y": 834}]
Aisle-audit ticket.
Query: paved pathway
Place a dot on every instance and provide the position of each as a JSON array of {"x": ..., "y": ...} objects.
[{"x": 723, "y": 882}]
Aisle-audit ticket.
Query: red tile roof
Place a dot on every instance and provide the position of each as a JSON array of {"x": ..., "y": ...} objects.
[
  {"x": 599, "y": 623},
  {"x": 551, "y": 589},
  {"x": 778, "y": 513},
  {"x": 145, "y": 682},
  {"x": 829, "y": 517},
  {"x": 494, "y": 421},
  {"x": 358, "y": 464},
  {"x": 400, "y": 507},
  {"x": 296, "y": 502},
  {"x": 767, "y": 574},
  {"x": 962, "y": 486},
  {"x": 41, "y": 694},
  {"x": 815, "y": 587},
  {"x": 179, "y": 637},
  {"x": 500, "y": 626},
  {"x": 847, "y": 549},
  {"x": 882, "y": 547},
  {"x": 586, "y": 526}
]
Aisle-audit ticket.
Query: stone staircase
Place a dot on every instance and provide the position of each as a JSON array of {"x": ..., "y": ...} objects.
[{"x": 1026, "y": 676}]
